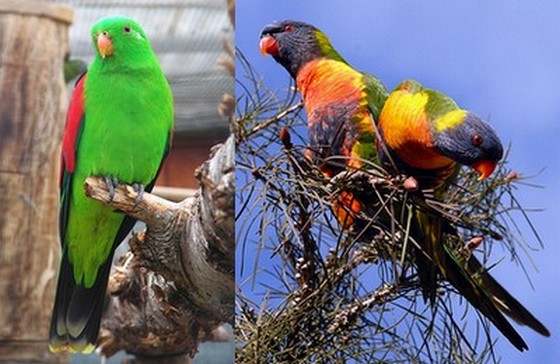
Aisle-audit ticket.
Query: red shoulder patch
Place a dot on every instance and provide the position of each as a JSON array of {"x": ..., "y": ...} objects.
[{"x": 74, "y": 118}]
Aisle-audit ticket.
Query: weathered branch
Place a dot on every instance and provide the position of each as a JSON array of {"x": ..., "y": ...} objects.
[{"x": 176, "y": 285}]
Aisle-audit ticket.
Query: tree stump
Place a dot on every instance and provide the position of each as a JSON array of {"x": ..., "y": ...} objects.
[{"x": 33, "y": 43}]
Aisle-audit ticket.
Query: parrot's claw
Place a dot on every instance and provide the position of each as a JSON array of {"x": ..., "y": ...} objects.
[
  {"x": 139, "y": 188},
  {"x": 111, "y": 183}
]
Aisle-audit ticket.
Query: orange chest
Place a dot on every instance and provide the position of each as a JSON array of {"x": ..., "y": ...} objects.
[
  {"x": 322, "y": 82},
  {"x": 420, "y": 156}
]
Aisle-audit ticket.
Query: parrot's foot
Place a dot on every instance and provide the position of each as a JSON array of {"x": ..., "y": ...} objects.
[
  {"x": 111, "y": 183},
  {"x": 139, "y": 188}
]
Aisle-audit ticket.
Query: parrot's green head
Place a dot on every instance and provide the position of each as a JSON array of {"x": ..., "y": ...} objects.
[
  {"x": 119, "y": 40},
  {"x": 294, "y": 43},
  {"x": 471, "y": 142}
]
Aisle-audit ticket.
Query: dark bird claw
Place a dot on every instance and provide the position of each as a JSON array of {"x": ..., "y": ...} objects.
[
  {"x": 111, "y": 183},
  {"x": 139, "y": 188}
]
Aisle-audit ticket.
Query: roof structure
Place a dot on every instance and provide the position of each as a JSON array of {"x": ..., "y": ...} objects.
[{"x": 188, "y": 38}]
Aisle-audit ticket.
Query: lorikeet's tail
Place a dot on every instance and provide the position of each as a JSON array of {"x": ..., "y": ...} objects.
[
  {"x": 77, "y": 310},
  {"x": 470, "y": 279},
  {"x": 427, "y": 251},
  {"x": 503, "y": 300}
]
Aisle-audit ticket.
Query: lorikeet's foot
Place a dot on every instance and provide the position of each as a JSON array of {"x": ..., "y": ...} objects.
[
  {"x": 411, "y": 184},
  {"x": 139, "y": 188},
  {"x": 111, "y": 183}
]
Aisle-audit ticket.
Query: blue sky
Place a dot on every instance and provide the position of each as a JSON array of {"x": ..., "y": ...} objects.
[{"x": 500, "y": 59}]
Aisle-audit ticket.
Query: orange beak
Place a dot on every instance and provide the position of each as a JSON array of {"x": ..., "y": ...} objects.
[
  {"x": 484, "y": 168},
  {"x": 268, "y": 45},
  {"x": 104, "y": 44}
]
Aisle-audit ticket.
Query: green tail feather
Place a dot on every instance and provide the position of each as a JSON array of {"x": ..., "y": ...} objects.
[
  {"x": 503, "y": 300},
  {"x": 428, "y": 236},
  {"x": 444, "y": 262}
]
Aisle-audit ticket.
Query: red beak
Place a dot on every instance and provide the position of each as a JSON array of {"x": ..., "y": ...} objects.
[
  {"x": 104, "y": 44},
  {"x": 484, "y": 168},
  {"x": 268, "y": 45}
]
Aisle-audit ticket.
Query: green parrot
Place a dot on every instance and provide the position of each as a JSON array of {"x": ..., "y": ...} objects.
[
  {"x": 118, "y": 126},
  {"x": 342, "y": 103},
  {"x": 426, "y": 135}
]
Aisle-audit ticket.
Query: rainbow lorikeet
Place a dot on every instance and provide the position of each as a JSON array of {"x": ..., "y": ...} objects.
[
  {"x": 342, "y": 103},
  {"x": 426, "y": 135},
  {"x": 343, "y": 106},
  {"x": 429, "y": 136},
  {"x": 118, "y": 126}
]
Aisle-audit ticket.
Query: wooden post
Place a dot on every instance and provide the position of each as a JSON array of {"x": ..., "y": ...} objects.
[{"x": 33, "y": 100}]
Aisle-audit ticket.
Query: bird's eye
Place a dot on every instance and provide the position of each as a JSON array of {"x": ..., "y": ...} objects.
[
  {"x": 476, "y": 140},
  {"x": 127, "y": 29},
  {"x": 288, "y": 27}
]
